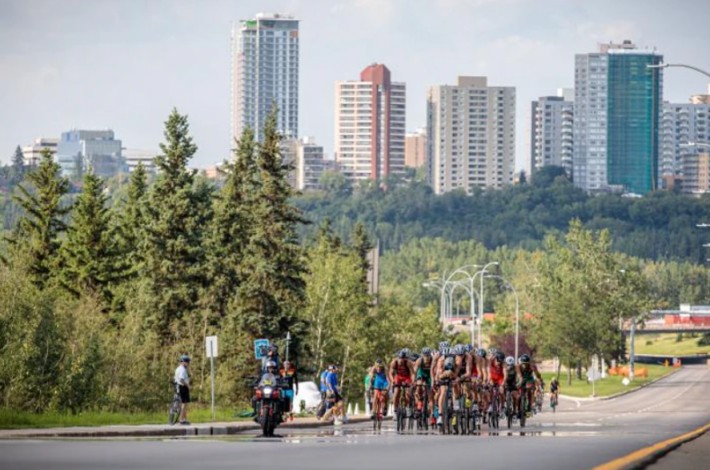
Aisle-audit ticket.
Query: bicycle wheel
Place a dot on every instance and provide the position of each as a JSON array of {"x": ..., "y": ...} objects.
[
  {"x": 509, "y": 408},
  {"x": 174, "y": 410},
  {"x": 523, "y": 408}
]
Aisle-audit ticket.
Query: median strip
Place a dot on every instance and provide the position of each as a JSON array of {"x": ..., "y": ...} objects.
[{"x": 647, "y": 455}]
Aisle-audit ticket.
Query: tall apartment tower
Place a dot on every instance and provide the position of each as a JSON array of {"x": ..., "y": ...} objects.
[
  {"x": 264, "y": 74},
  {"x": 415, "y": 148},
  {"x": 471, "y": 135},
  {"x": 617, "y": 109},
  {"x": 551, "y": 123},
  {"x": 370, "y": 125}
]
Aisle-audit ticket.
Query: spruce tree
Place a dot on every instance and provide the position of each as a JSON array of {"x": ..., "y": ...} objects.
[
  {"x": 362, "y": 245},
  {"x": 231, "y": 224},
  {"x": 272, "y": 286},
  {"x": 38, "y": 229},
  {"x": 91, "y": 262},
  {"x": 17, "y": 170},
  {"x": 131, "y": 218},
  {"x": 172, "y": 238}
]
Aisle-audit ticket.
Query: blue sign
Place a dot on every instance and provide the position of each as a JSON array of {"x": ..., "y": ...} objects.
[{"x": 260, "y": 348}]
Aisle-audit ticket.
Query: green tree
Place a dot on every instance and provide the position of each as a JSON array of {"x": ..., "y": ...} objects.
[
  {"x": 172, "y": 252},
  {"x": 271, "y": 289},
  {"x": 37, "y": 232},
  {"x": 92, "y": 263},
  {"x": 18, "y": 169},
  {"x": 131, "y": 218}
]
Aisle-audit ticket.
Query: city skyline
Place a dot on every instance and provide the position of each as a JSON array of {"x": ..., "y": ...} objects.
[{"x": 97, "y": 65}]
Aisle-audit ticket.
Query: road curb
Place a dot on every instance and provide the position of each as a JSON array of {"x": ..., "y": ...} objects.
[
  {"x": 646, "y": 456},
  {"x": 620, "y": 394},
  {"x": 173, "y": 431}
]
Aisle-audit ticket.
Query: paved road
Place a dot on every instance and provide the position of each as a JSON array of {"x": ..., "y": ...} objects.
[{"x": 579, "y": 436}]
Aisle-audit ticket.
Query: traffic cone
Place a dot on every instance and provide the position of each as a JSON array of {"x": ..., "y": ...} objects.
[
  {"x": 357, "y": 409},
  {"x": 350, "y": 409},
  {"x": 391, "y": 410}
]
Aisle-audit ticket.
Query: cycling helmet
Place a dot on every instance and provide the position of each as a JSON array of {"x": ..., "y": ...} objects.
[
  {"x": 468, "y": 348},
  {"x": 500, "y": 357},
  {"x": 443, "y": 344},
  {"x": 459, "y": 350},
  {"x": 481, "y": 353},
  {"x": 426, "y": 352},
  {"x": 379, "y": 363},
  {"x": 510, "y": 360},
  {"x": 270, "y": 365},
  {"x": 445, "y": 351},
  {"x": 414, "y": 357},
  {"x": 185, "y": 358},
  {"x": 402, "y": 354},
  {"x": 524, "y": 359},
  {"x": 492, "y": 351}
]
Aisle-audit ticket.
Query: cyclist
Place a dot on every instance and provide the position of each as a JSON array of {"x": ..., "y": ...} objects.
[
  {"x": 496, "y": 373},
  {"x": 510, "y": 380},
  {"x": 401, "y": 372},
  {"x": 445, "y": 371},
  {"x": 554, "y": 389},
  {"x": 482, "y": 366},
  {"x": 529, "y": 376},
  {"x": 182, "y": 380},
  {"x": 462, "y": 368},
  {"x": 422, "y": 370},
  {"x": 379, "y": 384}
]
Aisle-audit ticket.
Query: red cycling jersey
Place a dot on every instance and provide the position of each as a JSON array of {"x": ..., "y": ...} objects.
[{"x": 496, "y": 373}]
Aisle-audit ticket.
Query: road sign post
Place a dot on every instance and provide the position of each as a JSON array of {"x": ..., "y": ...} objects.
[{"x": 211, "y": 347}]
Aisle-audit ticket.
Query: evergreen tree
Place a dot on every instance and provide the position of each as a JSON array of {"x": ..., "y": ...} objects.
[
  {"x": 172, "y": 245},
  {"x": 17, "y": 169},
  {"x": 362, "y": 245},
  {"x": 91, "y": 262},
  {"x": 38, "y": 229},
  {"x": 273, "y": 267},
  {"x": 131, "y": 218},
  {"x": 231, "y": 225}
]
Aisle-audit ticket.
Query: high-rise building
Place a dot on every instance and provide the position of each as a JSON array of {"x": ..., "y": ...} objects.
[
  {"x": 551, "y": 122},
  {"x": 471, "y": 135},
  {"x": 79, "y": 150},
  {"x": 32, "y": 153},
  {"x": 370, "y": 125},
  {"x": 309, "y": 163},
  {"x": 265, "y": 73},
  {"x": 134, "y": 157},
  {"x": 617, "y": 111},
  {"x": 415, "y": 149}
]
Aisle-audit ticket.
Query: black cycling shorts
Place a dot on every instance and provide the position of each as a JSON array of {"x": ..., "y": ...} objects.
[{"x": 184, "y": 394}]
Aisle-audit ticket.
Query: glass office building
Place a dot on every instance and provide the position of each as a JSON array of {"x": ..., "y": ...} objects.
[{"x": 633, "y": 118}]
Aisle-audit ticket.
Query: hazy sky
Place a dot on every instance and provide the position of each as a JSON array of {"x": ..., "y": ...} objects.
[{"x": 123, "y": 64}]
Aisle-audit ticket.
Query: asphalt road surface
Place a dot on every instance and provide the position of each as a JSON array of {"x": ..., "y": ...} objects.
[{"x": 579, "y": 435}]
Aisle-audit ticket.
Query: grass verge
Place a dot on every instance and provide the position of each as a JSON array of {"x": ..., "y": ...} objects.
[
  {"x": 13, "y": 419},
  {"x": 610, "y": 385},
  {"x": 668, "y": 344}
]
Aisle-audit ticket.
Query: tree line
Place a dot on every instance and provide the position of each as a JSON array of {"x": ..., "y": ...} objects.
[
  {"x": 659, "y": 226},
  {"x": 100, "y": 297}
]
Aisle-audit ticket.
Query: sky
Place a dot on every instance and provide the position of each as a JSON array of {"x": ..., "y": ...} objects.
[{"x": 124, "y": 64}]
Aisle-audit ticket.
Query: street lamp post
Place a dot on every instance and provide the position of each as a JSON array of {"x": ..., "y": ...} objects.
[
  {"x": 663, "y": 66},
  {"x": 480, "y": 298}
]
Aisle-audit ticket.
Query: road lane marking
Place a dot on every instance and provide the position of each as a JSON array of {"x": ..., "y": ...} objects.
[{"x": 655, "y": 450}]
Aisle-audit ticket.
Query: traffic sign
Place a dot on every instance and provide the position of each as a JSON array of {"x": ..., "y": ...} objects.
[
  {"x": 260, "y": 348},
  {"x": 211, "y": 346}
]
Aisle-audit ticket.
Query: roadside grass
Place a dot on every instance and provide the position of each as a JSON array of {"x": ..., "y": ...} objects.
[
  {"x": 609, "y": 385},
  {"x": 13, "y": 419},
  {"x": 666, "y": 344}
]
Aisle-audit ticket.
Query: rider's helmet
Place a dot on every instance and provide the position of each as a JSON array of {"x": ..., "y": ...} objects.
[
  {"x": 492, "y": 351},
  {"x": 270, "y": 366},
  {"x": 500, "y": 357},
  {"x": 185, "y": 358},
  {"x": 468, "y": 348},
  {"x": 379, "y": 363},
  {"x": 426, "y": 352},
  {"x": 402, "y": 354},
  {"x": 443, "y": 345},
  {"x": 481, "y": 353},
  {"x": 445, "y": 351},
  {"x": 273, "y": 349},
  {"x": 287, "y": 364},
  {"x": 459, "y": 350},
  {"x": 449, "y": 363},
  {"x": 510, "y": 360},
  {"x": 524, "y": 359}
]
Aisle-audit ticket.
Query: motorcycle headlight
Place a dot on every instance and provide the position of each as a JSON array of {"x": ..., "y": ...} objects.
[{"x": 267, "y": 392}]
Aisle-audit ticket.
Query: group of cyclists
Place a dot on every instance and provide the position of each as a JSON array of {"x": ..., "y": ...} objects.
[{"x": 477, "y": 376}]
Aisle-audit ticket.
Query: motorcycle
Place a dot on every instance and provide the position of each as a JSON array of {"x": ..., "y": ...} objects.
[{"x": 269, "y": 399}]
